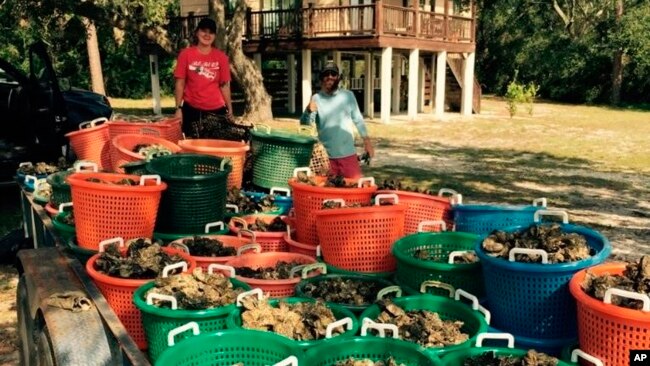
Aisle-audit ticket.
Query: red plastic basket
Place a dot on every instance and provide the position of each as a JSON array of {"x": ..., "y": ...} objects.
[
  {"x": 300, "y": 248},
  {"x": 51, "y": 210},
  {"x": 361, "y": 239},
  {"x": 275, "y": 288},
  {"x": 92, "y": 143},
  {"x": 308, "y": 199},
  {"x": 270, "y": 241},
  {"x": 240, "y": 243},
  {"x": 104, "y": 211},
  {"x": 122, "y": 148},
  {"x": 119, "y": 295},
  {"x": 169, "y": 129},
  {"x": 234, "y": 150},
  {"x": 424, "y": 207},
  {"x": 607, "y": 331}
]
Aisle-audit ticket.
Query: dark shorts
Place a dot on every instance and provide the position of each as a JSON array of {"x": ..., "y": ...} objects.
[{"x": 347, "y": 166}]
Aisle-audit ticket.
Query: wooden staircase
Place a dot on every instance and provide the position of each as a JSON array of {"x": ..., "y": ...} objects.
[{"x": 454, "y": 85}]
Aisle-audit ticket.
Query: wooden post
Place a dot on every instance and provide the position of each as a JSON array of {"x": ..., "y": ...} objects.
[
  {"x": 310, "y": 19},
  {"x": 473, "y": 28},
  {"x": 291, "y": 68},
  {"x": 441, "y": 74},
  {"x": 385, "y": 75},
  {"x": 445, "y": 30},
  {"x": 379, "y": 17},
  {"x": 249, "y": 24},
  {"x": 467, "y": 94},
  {"x": 416, "y": 15},
  {"x": 412, "y": 98}
]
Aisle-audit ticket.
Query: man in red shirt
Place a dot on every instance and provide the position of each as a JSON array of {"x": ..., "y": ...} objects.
[{"x": 202, "y": 82}]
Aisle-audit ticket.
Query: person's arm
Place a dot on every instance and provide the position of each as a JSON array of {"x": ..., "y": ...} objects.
[
  {"x": 309, "y": 114},
  {"x": 225, "y": 92},
  {"x": 179, "y": 88},
  {"x": 224, "y": 83},
  {"x": 180, "y": 73},
  {"x": 358, "y": 121}
]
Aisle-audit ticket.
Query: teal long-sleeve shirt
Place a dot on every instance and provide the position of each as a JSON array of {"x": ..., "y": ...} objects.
[{"x": 334, "y": 119}]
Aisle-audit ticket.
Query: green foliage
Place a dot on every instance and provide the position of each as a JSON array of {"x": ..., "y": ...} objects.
[{"x": 518, "y": 93}]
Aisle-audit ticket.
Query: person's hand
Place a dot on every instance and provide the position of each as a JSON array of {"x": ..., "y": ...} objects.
[
  {"x": 229, "y": 116},
  {"x": 178, "y": 113},
  {"x": 367, "y": 145},
  {"x": 313, "y": 107}
]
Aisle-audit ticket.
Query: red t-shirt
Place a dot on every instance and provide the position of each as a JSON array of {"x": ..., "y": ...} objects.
[{"x": 203, "y": 76}]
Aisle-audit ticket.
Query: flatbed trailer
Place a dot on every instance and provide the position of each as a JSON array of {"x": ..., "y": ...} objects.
[{"x": 53, "y": 336}]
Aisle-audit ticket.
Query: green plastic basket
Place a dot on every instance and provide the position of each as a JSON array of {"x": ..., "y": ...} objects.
[
  {"x": 336, "y": 270},
  {"x": 457, "y": 358},
  {"x": 411, "y": 272},
  {"x": 158, "y": 321},
  {"x": 135, "y": 167},
  {"x": 60, "y": 188},
  {"x": 357, "y": 309},
  {"x": 66, "y": 232},
  {"x": 196, "y": 191},
  {"x": 331, "y": 352},
  {"x": 447, "y": 309},
  {"x": 234, "y": 320},
  {"x": 276, "y": 154},
  {"x": 226, "y": 348},
  {"x": 82, "y": 254}
]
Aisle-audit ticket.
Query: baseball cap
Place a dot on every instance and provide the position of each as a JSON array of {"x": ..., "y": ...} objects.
[
  {"x": 329, "y": 66},
  {"x": 208, "y": 24}
]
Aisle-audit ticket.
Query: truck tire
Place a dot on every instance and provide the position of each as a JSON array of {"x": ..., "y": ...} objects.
[
  {"x": 44, "y": 348},
  {"x": 25, "y": 325}
]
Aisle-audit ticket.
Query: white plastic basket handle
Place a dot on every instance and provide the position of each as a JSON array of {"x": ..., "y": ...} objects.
[
  {"x": 210, "y": 225},
  {"x": 305, "y": 269},
  {"x": 25, "y": 163},
  {"x": 102, "y": 244},
  {"x": 486, "y": 314},
  {"x": 458, "y": 253},
  {"x": 362, "y": 181},
  {"x": 504, "y": 336},
  {"x": 239, "y": 220},
  {"x": 628, "y": 294},
  {"x": 92, "y": 123},
  {"x": 380, "y": 327},
  {"x": 529, "y": 252},
  {"x": 256, "y": 291},
  {"x": 347, "y": 321},
  {"x": 229, "y": 269},
  {"x": 423, "y": 224},
  {"x": 318, "y": 252},
  {"x": 145, "y": 178},
  {"x": 389, "y": 289},
  {"x": 462, "y": 293},
  {"x": 276, "y": 190},
  {"x": 171, "y": 267},
  {"x": 179, "y": 245},
  {"x": 539, "y": 213},
  {"x": 64, "y": 205},
  {"x": 261, "y": 125},
  {"x": 288, "y": 231},
  {"x": 193, "y": 326},
  {"x": 152, "y": 295},
  {"x": 248, "y": 232},
  {"x": 445, "y": 286},
  {"x": 244, "y": 248},
  {"x": 82, "y": 165},
  {"x": 540, "y": 202},
  {"x": 233, "y": 208},
  {"x": 448, "y": 191},
  {"x": 305, "y": 170},
  {"x": 31, "y": 178},
  {"x": 340, "y": 201},
  {"x": 386, "y": 196},
  {"x": 224, "y": 161},
  {"x": 289, "y": 361},
  {"x": 456, "y": 199},
  {"x": 578, "y": 353}
]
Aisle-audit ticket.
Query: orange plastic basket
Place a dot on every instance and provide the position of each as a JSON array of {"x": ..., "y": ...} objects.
[
  {"x": 51, "y": 210},
  {"x": 234, "y": 150},
  {"x": 169, "y": 129},
  {"x": 269, "y": 240},
  {"x": 119, "y": 295},
  {"x": 308, "y": 199},
  {"x": 122, "y": 148},
  {"x": 91, "y": 142},
  {"x": 424, "y": 207},
  {"x": 275, "y": 288},
  {"x": 240, "y": 243},
  {"x": 104, "y": 211},
  {"x": 360, "y": 239},
  {"x": 300, "y": 248},
  {"x": 607, "y": 331}
]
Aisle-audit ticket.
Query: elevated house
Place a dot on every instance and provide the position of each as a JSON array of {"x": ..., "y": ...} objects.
[{"x": 398, "y": 56}]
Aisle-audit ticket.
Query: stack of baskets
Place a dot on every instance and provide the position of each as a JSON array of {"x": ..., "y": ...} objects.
[
  {"x": 122, "y": 147},
  {"x": 234, "y": 150},
  {"x": 92, "y": 142},
  {"x": 166, "y": 128}
]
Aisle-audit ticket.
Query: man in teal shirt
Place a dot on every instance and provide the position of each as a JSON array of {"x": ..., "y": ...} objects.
[{"x": 335, "y": 111}]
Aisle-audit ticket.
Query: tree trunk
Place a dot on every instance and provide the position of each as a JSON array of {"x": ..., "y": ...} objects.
[
  {"x": 244, "y": 70},
  {"x": 617, "y": 67},
  {"x": 94, "y": 60}
]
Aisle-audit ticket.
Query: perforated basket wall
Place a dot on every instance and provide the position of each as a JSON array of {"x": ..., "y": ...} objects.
[
  {"x": 168, "y": 129},
  {"x": 276, "y": 155},
  {"x": 158, "y": 321},
  {"x": 607, "y": 331},
  {"x": 532, "y": 299},
  {"x": 308, "y": 199},
  {"x": 423, "y": 207},
  {"x": 269, "y": 240},
  {"x": 122, "y": 147},
  {"x": 119, "y": 295},
  {"x": 360, "y": 239},
  {"x": 483, "y": 219},
  {"x": 60, "y": 188},
  {"x": 460, "y": 356},
  {"x": 234, "y": 150},
  {"x": 196, "y": 194},
  {"x": 105, "y": 211},
  {"x": 92, "y": 144},
  {"x": 412, "y": 271},
  {"x": 320, "y": 162}
]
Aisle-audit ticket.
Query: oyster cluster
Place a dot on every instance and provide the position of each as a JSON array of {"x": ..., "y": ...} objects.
[
  {"x": 343, "y": 291},
  {"x": 390, "y": 361},
  {"x": 43, "y": 168},
  {"x": 332, "y": 181},
  {"x": 277, "y": 225},
  {"x": 246, "y": 204},
  {"x": 396, "y": 185},
  {"x": 201, "y": 246},
  {"x": 281, "y": 271},
  {"x": 197, "y": 291},
  {"x": 143, "y": 260},
  {"x": 635, "y": 278},
  {"x": 423, "y": 327},
  {"x": 151, "y": 150},
  {"x": 560, "y": 246},
  {"x": 299, "y": 321},
  {"x": 532, "y": 358},
  {"x": 121, "y": 182}
]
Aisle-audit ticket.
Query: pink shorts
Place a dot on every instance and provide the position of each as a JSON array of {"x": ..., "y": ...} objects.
[{"x": 347, "y": 166}]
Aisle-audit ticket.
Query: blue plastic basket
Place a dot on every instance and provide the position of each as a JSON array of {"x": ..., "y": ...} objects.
[
  {"x": 284, "y": 203},
  {"x": 483, "y": 219},
  {"x": 532, "y": 300}
]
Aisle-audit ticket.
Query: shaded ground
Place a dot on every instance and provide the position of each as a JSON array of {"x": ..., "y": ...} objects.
[{"x": 8, "y": 334}]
